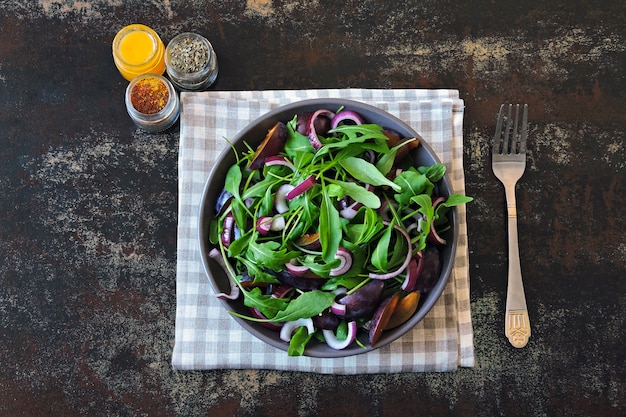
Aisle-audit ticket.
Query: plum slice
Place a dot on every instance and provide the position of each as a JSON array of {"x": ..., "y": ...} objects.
[
  {"x": 431, "y": 270},
  {"x": 382, "y": 316},
  {"x": 303, "y": 282},
  {"x": 273, "y": 143},
  {"x": 407, "y": 306},
  {"x": 364, "y": 301}
]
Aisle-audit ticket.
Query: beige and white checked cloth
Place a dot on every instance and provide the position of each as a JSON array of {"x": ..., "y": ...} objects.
[{"x": 206, "y": 337}]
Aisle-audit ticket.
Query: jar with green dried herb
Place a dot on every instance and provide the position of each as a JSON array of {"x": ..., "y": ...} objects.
[{"x": 191, "y": 62}]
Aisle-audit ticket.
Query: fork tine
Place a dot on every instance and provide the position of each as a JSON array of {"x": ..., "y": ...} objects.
[
  {"x": 497, "y": 137},
  {"x": 509, "y": 135},
  {"x": 514, "y": 135},
  {"x": 524, "y": 132}
]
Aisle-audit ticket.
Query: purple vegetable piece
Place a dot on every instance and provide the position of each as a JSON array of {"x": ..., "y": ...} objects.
[
  {"x": 431, "y": 270},
  {"x": 364, "y": 301},
  {"x": 273, "y": 143},
  {"x": 302, "y": 282},
  {"x": 223, "y": 200},
  {"x": 302, "y": 122},
  {"x": 326, "y": 320}
]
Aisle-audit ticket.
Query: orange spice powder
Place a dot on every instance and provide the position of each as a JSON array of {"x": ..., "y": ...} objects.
[{"x": 149, "y": 95}]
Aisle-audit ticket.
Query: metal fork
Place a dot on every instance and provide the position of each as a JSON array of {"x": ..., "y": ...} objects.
[{"x": 508, "y": 164}]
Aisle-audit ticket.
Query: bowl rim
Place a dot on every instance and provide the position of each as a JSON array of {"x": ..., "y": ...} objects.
[{"x": 264, "y": 123}]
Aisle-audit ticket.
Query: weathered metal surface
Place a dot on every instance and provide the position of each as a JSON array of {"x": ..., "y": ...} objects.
[{"x": 88, "y": 235}]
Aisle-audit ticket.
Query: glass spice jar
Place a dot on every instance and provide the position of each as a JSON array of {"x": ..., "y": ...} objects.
[
  {"x": 191, "y": 62},
  {"x": 152, "y": 102},
  {"x": 137, "y": 49}
]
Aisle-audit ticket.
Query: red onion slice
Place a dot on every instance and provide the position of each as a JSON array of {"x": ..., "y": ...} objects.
[
  {"x": 280, "y": 204},
  {"x": 433, "y": 236},
  {"x": 334, "y": 343},
  {"x": 350, "y": 211},
  {"x": 296, "y": 269},
  {"x": 313, "y": 138},
  {"x": 300, "y": 188},
  {"x": 345, "y": 258},
  {"x": 338, "y": 309},
  {"x": 264, "y": 224},
  {"x": 346, "y": 115},
  {"x": 413, "y": 272},
  {"x": 278, "y": 224},
  {"x": 227, "y": 231},
  {"x": 288, "y": 327},
  {"x": 279, "y": 160},
  {"x": 234, "y": 288},
  {"x": 280, "y": 200}
]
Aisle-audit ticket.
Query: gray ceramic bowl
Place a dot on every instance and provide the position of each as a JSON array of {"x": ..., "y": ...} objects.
[{"x": 253, "y": 134}]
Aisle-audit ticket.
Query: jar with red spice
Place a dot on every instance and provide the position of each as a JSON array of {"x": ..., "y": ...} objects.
[{"x": 152, "y": 102}]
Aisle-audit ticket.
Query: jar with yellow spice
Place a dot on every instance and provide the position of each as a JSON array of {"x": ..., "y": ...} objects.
[
  {"x": 137, "y": 49},
  {"x": 152, "y": 102}
]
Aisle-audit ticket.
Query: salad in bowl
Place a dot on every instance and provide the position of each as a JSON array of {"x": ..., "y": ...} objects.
[{"x": 328, "y": 228}]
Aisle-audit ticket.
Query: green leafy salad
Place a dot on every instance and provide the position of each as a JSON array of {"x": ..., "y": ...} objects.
[{"x": 327, "y": 229}]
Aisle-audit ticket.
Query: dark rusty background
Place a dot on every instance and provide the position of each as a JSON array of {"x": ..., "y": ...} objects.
[{"x": 88, "y": 229}]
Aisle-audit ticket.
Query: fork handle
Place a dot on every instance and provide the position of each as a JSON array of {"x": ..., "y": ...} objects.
[{"x": 517, "y": 323}]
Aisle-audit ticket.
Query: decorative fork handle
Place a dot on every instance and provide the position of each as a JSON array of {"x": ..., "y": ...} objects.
[{"x": 517, "y": 323}]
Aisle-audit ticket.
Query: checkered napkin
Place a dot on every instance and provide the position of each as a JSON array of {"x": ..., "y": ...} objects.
[{"x": 206, "y": 337}]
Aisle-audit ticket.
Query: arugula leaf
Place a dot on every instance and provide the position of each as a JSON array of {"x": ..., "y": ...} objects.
[
  {"x": 412, "y": 183},
  {"x": 398, "y": 254},
  {"x": 342, "y": 330},
  {"x": 443, "y": 207},
  {"x": 366, "y": 172},
  {"x": 361, "y": 233},
  {"x": 266, "y": 304},
  {"x": 425, "y": 204},
  {"x": 329, "y": 229},
  {"x": 238, "y": 245},
  {"x": 435, "y": 172},
  {"x": 310, "y": 211},
  {"x": 258, "y": 274},
  {"x": 356, "y": 191},
  {"x": 266, "y": 206},
  {"x": 233, "y": 181},
  {"x": 366, "y": 131},
  {"x": 298, "y": 341},
  {"x": 456, "y": 200},
  {"x": 379, "y": 256},
  {"x": 385, "y": 163},
  {"x": 302, "y": 160},
  {"x": 260, "y": 188},
  {"x": 355, "y": 145},
  {"x": 308, "y": 304},
  {"x": 269, "y": 254},
  {"x": 232, "y": 184},
  {"x": 348, "y": 282},
  {"x": 214, "y": 231},
  {"x": 319, "y": 269},
  {"x": 240, "y": 213},
  {"x": 297, "y": 143}
]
